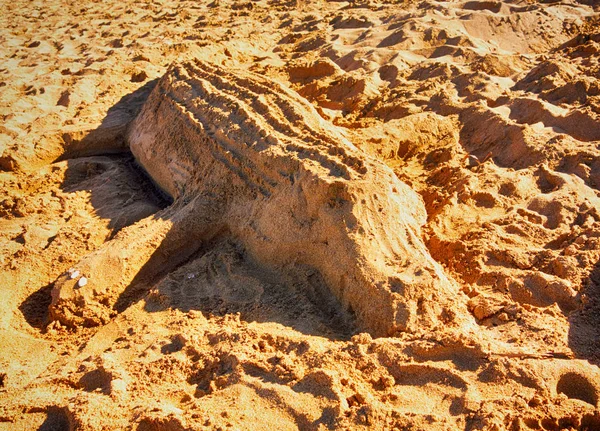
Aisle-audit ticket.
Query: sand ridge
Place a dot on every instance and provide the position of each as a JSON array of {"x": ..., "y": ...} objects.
[{"x": 195, "y": 314}]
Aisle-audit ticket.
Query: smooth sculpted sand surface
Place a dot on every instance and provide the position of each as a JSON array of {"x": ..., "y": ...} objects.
[{"x": 300, "y": 215}]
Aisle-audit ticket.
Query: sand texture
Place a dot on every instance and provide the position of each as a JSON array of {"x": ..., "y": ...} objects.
[{"x": 271, "y": 215}]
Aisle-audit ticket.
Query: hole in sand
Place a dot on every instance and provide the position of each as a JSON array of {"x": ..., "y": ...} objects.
[
  {"x": 160, "y": 424},
  {"x": 483, "y": 5},
  {"x": 590, "y": 422},
  {"x": 507, "y": 189},
  {"x": 549, "y": 182},
  {"x": 578, "y": 387},
  {"x": 96, "y": 379},
  {"x": 56, "y": 420},
  {"x": 35, "y": 307},
  {"x": 485, "y": 200}
]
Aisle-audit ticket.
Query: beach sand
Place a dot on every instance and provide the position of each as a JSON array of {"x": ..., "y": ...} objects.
[{"x": 306, "y": 215}]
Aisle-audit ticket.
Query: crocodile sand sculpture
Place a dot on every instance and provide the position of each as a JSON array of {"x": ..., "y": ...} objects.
[{"x": 243, "y": 155}]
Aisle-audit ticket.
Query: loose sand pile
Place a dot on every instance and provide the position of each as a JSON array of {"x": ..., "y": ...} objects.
[{"x": 304, "y": 215}]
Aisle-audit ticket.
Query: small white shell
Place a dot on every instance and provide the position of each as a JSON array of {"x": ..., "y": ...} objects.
[
  {"x": 74, "y": 274},
  {"x": 82, "y": 282}
]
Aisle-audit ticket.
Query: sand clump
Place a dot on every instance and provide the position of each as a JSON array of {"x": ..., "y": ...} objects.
[{"x": 301, "y": 215}]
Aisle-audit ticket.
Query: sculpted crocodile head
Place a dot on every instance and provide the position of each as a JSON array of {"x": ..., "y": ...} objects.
[{"x": 241, "y": 152}]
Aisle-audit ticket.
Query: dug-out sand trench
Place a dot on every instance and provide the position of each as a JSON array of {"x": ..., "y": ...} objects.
[{"x": 243, "y": 154}]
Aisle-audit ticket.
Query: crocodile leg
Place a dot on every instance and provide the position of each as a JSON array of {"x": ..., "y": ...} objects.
[{"x": 109, "y": 278}]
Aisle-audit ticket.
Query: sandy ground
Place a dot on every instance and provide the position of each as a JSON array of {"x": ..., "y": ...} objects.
[{"x": 488, "y": 114}]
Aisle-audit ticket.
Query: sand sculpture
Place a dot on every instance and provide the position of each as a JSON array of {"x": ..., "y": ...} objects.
[{"x": 243, "y": 156}]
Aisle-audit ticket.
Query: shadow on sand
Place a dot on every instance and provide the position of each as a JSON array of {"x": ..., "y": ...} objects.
[{"x": 584, "y": 329}]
